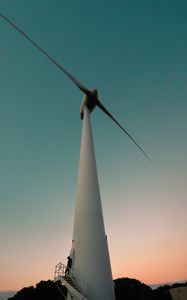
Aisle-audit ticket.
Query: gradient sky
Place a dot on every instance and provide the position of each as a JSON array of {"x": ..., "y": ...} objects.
[{"x": 135, "y": 53}]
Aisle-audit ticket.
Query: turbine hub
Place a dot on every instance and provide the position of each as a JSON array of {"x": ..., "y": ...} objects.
[{"x": 89, "y": 101}]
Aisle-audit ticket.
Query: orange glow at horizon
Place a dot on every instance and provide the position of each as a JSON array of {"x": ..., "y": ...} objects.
[{"x": 147, "y": 266}]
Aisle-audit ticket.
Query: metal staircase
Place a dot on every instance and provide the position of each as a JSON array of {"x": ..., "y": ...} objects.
[{"x": 65, "y": 276}]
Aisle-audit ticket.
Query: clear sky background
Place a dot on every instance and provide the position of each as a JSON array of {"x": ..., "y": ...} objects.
[{"x": 135, "y": 53}]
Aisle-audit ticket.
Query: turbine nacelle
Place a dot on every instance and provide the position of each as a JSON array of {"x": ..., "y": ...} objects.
[{"x": 90, "y": 101}]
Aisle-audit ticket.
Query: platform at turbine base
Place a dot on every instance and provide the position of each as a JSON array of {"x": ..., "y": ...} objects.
[{"x": 65, "y": 276}]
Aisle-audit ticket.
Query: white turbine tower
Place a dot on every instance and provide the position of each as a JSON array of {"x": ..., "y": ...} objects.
[
  {"x": 91, "y": 262},
  {"x": 89, "y": 276}
]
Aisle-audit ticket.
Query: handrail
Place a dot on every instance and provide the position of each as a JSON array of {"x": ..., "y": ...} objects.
[
  {"x": 60, "y": 291},
  {"x": 62, "y": 270}
]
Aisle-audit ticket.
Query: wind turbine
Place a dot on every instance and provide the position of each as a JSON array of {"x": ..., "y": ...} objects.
[{"x": 91, "y": 262}]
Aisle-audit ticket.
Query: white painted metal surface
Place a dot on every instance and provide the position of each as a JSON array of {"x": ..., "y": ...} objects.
[
  {"x": 179, "y": 293},
  {"x": 91, "y": 262}
]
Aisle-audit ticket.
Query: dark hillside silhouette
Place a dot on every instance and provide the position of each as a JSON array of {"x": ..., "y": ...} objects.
[
  {"x": 132, "y": 289},
  {"x": 125, "y": 289},
  {"x": 44, "y": 290}
]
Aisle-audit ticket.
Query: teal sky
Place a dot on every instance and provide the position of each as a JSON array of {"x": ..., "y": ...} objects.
[{"x": 135, "y": 54}]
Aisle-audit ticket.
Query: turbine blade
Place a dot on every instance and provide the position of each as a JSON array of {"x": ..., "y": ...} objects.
[
  {"x": 109, "y": 114},
  {"x": 72, "y": 78}
]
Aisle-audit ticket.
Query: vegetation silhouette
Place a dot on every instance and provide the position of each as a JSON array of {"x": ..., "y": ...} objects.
[
  {"x": 125, "y": 288},
  {"x": 132, "y": 289},
  {"x": 44, "y": 290}
]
